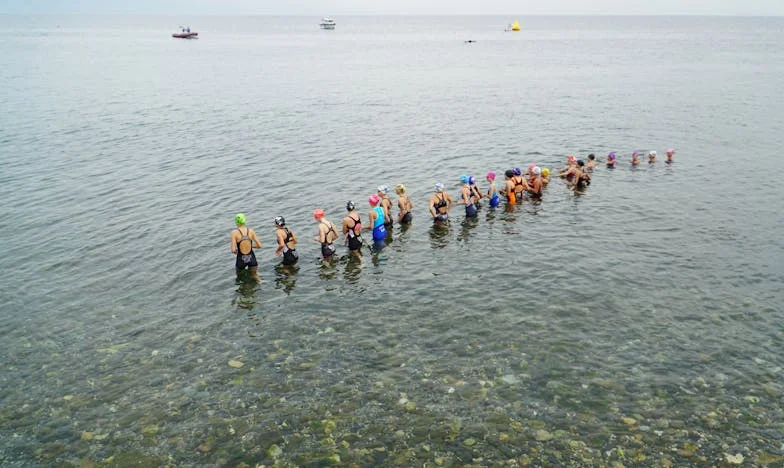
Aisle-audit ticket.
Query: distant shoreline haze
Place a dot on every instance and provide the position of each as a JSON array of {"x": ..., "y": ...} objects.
[{"x": 397, "y": 7}]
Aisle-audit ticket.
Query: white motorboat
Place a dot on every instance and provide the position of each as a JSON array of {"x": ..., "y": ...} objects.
[{"x": 327, "y": 23}]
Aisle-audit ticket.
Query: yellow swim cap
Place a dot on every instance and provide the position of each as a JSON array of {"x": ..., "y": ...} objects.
[{"x": 546, "y": 172}]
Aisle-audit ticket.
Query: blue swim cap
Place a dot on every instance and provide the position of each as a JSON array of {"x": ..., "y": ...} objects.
[
  {"x": 471, "y": 180},
  {"x": 464, "y": 179},
  {"x": 517, "y": 171}
]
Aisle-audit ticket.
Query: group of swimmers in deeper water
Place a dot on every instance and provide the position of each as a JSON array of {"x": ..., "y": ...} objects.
[{"x": 576, "y": 174}]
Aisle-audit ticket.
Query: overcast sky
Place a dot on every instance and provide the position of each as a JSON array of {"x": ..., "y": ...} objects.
[{"x": 412, "y": 7}]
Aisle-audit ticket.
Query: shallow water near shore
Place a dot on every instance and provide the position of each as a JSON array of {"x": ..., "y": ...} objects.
[{"x": 639, "y": 322}]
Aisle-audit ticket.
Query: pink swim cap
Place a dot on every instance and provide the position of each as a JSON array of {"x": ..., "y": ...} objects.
[
  {"x": 531, "y": 166},
  {"x": 571, "y": 158},
  {"x": 491, "y": 175},
  {"x": 670, "y": 151},
  {"x": 635, "y": 154},
  {"x": 373, "y": 199}
]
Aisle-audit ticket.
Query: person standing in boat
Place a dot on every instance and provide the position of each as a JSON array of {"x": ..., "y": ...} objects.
[{"x": 243, "y": 241}]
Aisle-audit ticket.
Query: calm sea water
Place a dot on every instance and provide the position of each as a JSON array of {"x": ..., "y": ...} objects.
[{"x": 639, "y": 323}]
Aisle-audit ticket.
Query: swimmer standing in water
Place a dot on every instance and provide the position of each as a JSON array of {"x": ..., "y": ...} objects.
[
  {"x": 352, "y": 228},
  {"x": 545, "y": 176},
  {"x": 581, "y": 178},
  {"x": 570, "y": 169},
  {"x": 492, "y": 193},
  {"x": 475, "y": 191},
  {"x": 652, "y": 157},
  {"x": 327, "y": 234},
  {"x": 243, "y": 241},
  {"x": 440, "y": 204},
  {"x": 611, "y": 160},
  {"x": 520, "y": 184},
  {"x": 405, "y": 205},
  {"x": 635, "y": 159},
  {"x": 386, "y": 205},
  {"x": 377, "y": 220},
  {"x": 509, "y": 187},
  {"x": 287, "y": 242},
  {"x": 591, "y": 163},
  {"x": 670, "y": 152},
  {"x": 535, "y": 185},
  {"x": 467, "y": 197}
]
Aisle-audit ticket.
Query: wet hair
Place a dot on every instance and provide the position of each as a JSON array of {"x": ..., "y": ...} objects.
[
  {"x": 509, "y": 173},
  {"x": 591, "y": 156}
]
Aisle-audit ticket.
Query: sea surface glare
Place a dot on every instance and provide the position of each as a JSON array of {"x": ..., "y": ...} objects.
[{"x": 638, "y": 323}]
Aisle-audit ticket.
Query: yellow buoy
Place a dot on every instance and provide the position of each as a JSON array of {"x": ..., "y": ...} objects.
[{"x": 515, "y": 26}]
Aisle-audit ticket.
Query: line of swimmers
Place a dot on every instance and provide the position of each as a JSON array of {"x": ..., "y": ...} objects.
[{"x": 576, "y": 173}]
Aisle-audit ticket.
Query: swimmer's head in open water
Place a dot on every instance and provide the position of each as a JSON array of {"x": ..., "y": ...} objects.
[
  {"x": 509, "y": 173},
  {"x": 383, "y": 189},
  {"x": 571, "y": 158},
  {"x": 280, "y": 221},
  {"x": 439, "y": 187},
  {"x": 537, "y": 170},
  {"x": 240, "y": 219},
  {"x": 491, "y": 175},
  {"x": 373, "y": 200},
  {"x": 464, "y": 179},
  {"x": 318, "y": 213},
  {"x": 611, "y": 157},
  {"x": 400, "y": 189},
  {"x": 546, "y": 172},
  {"x": 350, "y": 205},
  {"x": 471, "y": 180},
  {"x": 517, "y": 171},
  {"x": 670, "y": 151}
]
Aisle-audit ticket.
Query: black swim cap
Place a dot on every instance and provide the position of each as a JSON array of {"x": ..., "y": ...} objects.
[
  {"x": 349, "y": 205},
  {"x": 591, "y": 156},
  {"x": 580, "y": 163},
  {"x": 279, "y": 221},
  {"x": 509, "y": 173}
]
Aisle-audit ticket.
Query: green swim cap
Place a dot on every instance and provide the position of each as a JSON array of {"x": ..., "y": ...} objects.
[{"x": 240, "y": 218}]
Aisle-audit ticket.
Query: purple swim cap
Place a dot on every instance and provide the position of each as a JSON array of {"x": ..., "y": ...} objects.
[
  {"x": 611, "y": 156},
  {"x": 517, "y": 171}
]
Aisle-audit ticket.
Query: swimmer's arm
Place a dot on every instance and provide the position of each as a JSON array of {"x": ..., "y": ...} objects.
[
  {"x": 432, "y": 208},
  {"x": 255, "y": 239},
  {"x": 370, "y": 223},
  {"x": 233, "y": 244},
  {"x": 450, "y": 202}
]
